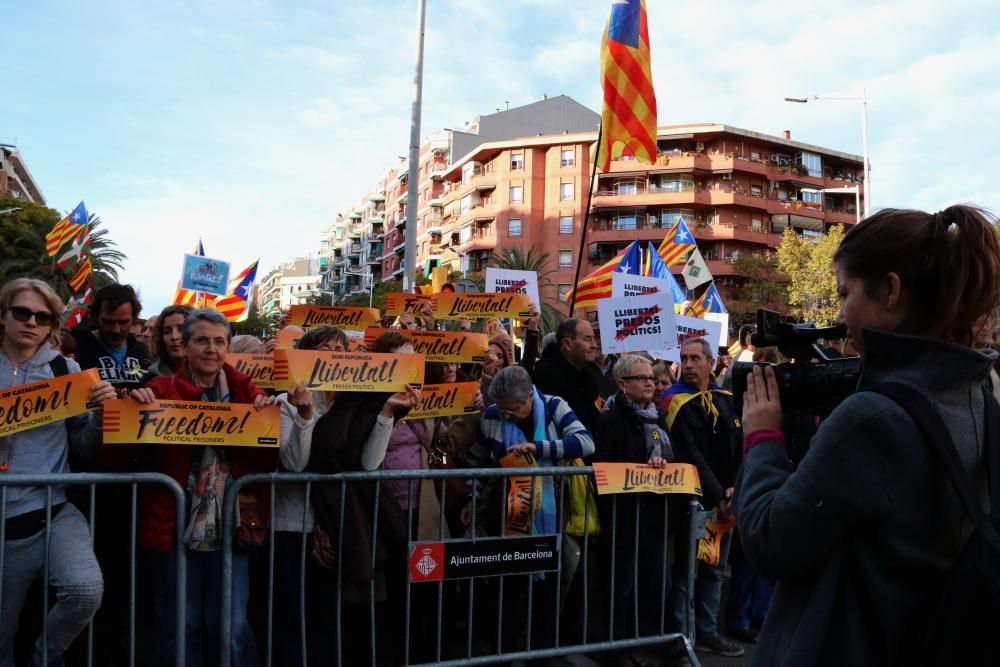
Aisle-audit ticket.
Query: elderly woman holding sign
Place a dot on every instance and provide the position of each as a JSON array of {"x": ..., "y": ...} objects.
[
  {"x": 630, "y": 431},
  {"x": 204, "y": 472},
  {"x": 30, "y": 312}
]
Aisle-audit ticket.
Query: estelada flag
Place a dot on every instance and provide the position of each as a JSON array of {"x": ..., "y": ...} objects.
[
  {"x": 628, "y": 119},
  {"x": 676, "y": 244},
  {"x": 709, "y": 302},
  {"x": 234, "y": 305},
  {"x": 65, "y": 229},
  {"x": 597, "y": 285}
]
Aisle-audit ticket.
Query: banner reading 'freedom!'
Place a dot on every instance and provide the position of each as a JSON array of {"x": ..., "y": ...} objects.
[
  {"x": 443, "y": 400},
  {"x": 46, "y": 401},
  {"x": 441, "y": 346},
  {"x": 639, "y": 477},
  {"x": 460, "y": 305},
  {"x": 347, "y": 371},
  {"x": 397, "y": 303},
  {"x": 344, "y": 317},
  {"x": 260, "y": 368},
  {"x": 169, "y": 422}
]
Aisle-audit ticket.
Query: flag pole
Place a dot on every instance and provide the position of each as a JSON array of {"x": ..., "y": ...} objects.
[{"x": 586, "y": 221}]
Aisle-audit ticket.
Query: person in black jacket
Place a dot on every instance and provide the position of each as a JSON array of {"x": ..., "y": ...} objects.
[
  {"x": 567, "y": 369},
  {"x": 111, "y": 348},
  {"x": 705, "y": 431},
  {"x": 631, "y": 431}
]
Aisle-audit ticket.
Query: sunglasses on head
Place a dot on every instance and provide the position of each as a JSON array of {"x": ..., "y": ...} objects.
[{"x": 42, "y": 317}]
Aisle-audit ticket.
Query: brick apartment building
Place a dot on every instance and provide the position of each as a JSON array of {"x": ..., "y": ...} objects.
[{"x": 15, "y": 179}]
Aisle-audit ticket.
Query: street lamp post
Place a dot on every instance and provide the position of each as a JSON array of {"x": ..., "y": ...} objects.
[{"x": 863, "y": 98}]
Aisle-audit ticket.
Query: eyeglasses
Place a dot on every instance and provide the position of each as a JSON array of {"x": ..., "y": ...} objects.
[
  {"x": 507, "y": 414},
  {"x": 640, "y": 378},
  {"x": 205, "y": 341},
  {"x": 43, "y": 318}
]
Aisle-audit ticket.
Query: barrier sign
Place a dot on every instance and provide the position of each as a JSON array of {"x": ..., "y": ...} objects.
[
  {"x": 457, "y": 306},
  {"x": 260, "y": 368},
  {"x": 442, "y": 346},
  {"x": 39, "y": 403},
  {"x": 442, "y": 400},
  {"x": 170, "y": 422},
  {"x": 205, "y": 275},
  {"x": 347, "y": 371},
  {"x": 486, "y": 557},
  {"x": 354, "y": 318},
  {"x": 639, "y": 477}
]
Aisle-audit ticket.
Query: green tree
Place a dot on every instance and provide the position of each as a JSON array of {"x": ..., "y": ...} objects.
[
  {"x": 23, "y": 254},
  {"x": 539, "y": 262},
  {"x": 763, "y": 287},
  {"x": 812, "y": 286}
]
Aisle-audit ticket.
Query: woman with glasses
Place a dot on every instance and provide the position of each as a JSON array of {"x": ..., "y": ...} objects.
[
  {"x": 203, "y": 471},
  {"x": 630, "y": 431},
  {"x": 30, "y": 312}
]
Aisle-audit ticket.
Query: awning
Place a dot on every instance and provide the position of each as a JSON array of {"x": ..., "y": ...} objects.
[{"x": 782, "y": 220}]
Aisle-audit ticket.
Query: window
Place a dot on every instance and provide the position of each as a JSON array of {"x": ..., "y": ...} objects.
[
  {"x": 516, "y": 194},
  {"x": 565, "y": 224},
  {"x": 756, "y": 190},
  {"x": 680, "y": 183},
  {"x": 627, "y": 187},
  {"x": 567, "y": 157},
  {"x": 564, "y": 292},
  {"x": 566, "y": 191},
  {"x": 516, "y": 161},
  {"x": 514, "y": 227},
  {"x": 812, "y": 163},
  {"x": 624, "y": 222},
  {"x": 468, "y": 169},
  {"x": 755, "y": 156},
  {"x": 670, "y": 216},
  {"x": 756, "y": 224},
  {"x": 811, "y": 197},
  {"x": 466, "y": 205},
  {"x": 565, "y": 258},
  {"x": 465, "y": 236}
]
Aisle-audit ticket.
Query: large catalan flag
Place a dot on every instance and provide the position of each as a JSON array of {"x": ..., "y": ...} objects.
[
  {"x": 677, "y": 243},
  {"x": 67, "y": 228},
  {"x": 234, "y": 305},
  {"x": 183, "y": 297},
  {"x": 628, "y": 120},
  {"x": 597, "y": 285},
  {"x": 709, "y": 302}
]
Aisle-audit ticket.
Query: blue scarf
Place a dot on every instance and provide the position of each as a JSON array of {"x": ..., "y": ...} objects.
[{"x": 545, "y": 520}]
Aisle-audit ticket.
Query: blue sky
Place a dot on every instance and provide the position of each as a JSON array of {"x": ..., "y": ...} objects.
[{"x": 250, "y": 123}]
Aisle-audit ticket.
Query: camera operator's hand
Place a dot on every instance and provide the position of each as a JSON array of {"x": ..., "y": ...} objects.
[{"x": 761, "y": 403}]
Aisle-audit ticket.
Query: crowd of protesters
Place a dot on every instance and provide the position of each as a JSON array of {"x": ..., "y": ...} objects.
[{"x": 813, "y": 559}]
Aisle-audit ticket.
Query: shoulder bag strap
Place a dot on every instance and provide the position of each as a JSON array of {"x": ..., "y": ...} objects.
[
  {"x": 928, "y": 419},
  {"x": 991, "y": 450},
  {"x": 59, "y": 366}
]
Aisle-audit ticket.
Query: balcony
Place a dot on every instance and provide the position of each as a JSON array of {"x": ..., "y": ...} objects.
[
  {"x": 840, "y": 217},
  {"x": 399, "y": 248},
  {"x": 355, "y": 231},
  {"x": 354, "y": 250},
  {"x": 644, "y": 197},
  {"x": 483, "y": 238}
]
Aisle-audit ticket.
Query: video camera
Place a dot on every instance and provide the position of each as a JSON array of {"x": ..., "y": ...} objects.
[{"x": 814, "y": 384}]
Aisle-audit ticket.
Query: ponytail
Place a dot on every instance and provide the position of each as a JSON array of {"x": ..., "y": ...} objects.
[{"x": 948, "y": 265}]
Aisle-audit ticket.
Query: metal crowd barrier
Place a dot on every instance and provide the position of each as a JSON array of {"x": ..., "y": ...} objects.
[
  {"x": 471, "y": 656},
  {"x": 92, "y": 480}
]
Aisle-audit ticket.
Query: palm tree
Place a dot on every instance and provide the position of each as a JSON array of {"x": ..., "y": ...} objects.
[
  {"x": 25, "y": 256},
  {"x": 515, "y": 258}
]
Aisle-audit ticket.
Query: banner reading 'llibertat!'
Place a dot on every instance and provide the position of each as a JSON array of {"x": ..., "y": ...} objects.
[
  {"x": 443, "y": 400},
  {"x": 46, "y": 401},
  {"x": 169, "y": 422},
  {"x": 397, "y": 303},
  {"x": 348, "y": 371},
  {"x": 441, "y": 346},
  {"x": 639, "y": 477},
  {"x": 260, "y": 368},
  {"x": 344, "y": 317},
  {"x": 473, "y": 305}
]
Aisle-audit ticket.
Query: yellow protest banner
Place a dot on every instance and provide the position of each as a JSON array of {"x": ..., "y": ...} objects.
[
  {"x": 345, "y": 317},
  {"x": 710, "y": 543},
  {"x": 443, "y": 400},
  {"x": 170, "y": 422},
  {"x": 288, "y": 337},
  {"x": 459, "y": 305},
  {"x": 260, "y": 368},
  {"x": 347, "y": 371},
  {"x": 457, "y": 346},
  {"x": 639, "y": 477},
  {"x": 397, "y": 303},
  {"x": 46, "y": 401},
  {"x": 521, "y": 508}
]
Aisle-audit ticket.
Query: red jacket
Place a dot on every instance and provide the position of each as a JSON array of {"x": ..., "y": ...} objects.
[{"x": 157, "y": 508}]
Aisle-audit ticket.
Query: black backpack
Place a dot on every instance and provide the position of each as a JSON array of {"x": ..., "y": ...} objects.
[{"x": 961, "y": 621}]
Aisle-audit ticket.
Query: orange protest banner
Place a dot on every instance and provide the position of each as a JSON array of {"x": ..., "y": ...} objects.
[
  {"x": 639, "y": 477},
  {"x": 288, "y": 337},
  {"x": 459, "y": 305},
  {"x": 45, "y": 401},
  {"x": 521, "y": 508},
  {"x": 169, "y": 422},
  {"x": 443, "y": 346},
  {"x": 260, "y": 368},
  {"x": 710, "y": 543},
  {"x": 348, "y": 371},
  {"x": 346, "y": 317},
  {"x": 397, "y": 303},
  {"x": 442, "y": 400}
]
